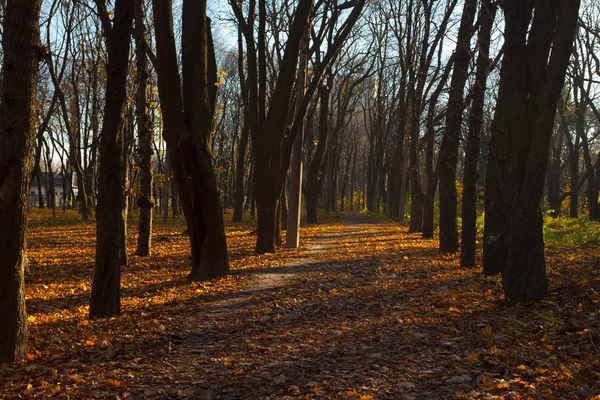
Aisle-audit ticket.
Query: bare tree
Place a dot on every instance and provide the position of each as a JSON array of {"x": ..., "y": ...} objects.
[
  {"x": 538, "y": 42},
  {"x": 188, "y": 117},
  {"x": 22, "y": 51},
  {"x": 110, "y": 217}
]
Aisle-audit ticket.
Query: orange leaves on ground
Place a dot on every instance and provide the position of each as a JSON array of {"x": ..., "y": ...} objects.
[{"x": 363, "y": 310}]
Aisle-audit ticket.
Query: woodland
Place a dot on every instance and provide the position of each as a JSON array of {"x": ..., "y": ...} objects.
[{"x": 361, "y": 199}]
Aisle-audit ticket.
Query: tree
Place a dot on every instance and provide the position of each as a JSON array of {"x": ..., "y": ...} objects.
[
  {"x": 188, "y": 115},
  {"x": 69, "y": 111},
  {"x": 538, "y": 41},
  {"x": 487, "y": 14},
  {"x": 271, "y": 132},
  {"x": 110, "y": 221},
  {"x": 22, "y": 51},
  {"x": 238, "y": 209},
  {"x": 448, "y": 158},
  {"x": 420, "y": 49},
  {"x": 144, "y": 199}
]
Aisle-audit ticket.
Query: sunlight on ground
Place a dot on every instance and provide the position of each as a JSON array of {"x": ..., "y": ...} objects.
[{"x": 374, "y": 311}]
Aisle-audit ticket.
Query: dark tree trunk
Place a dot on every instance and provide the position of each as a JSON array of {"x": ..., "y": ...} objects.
[
  {"x": 166, "y": 181},
  {"x": 554, "y": 174},
  {"x": 125, "y": 205},
  {"x": 396, "y": 172},
  {"x": 428, "y": 213},
  {"x": 110, "y": 223},
  {"x": 174, "y": 198},
  {"x": 448, "y": 157},
  {"x": 416, "y": 194},
  {"x": 416, "y": 210},
  {"x": 249, "y": 204},
  {"x": 487, "y": 14},
  {"x": 573, "y": 172},
  {"x": 536, "y": 56},
  {"x": 267, "y": 217},
  {"x": 39, "y": 187},
  {"x": 144, "y": 200},
  {"x": 314, "y": 178},
  {"x": 240, "y": 172},
  {"x": 65, "y": 197},
  {"x": 283, "y": 202},
  {"x": 20, "y": 43},
  {"x": 51, "y": 189},
  {"x": 268, "y": 136},
  {"x": 187, "y": 133}
]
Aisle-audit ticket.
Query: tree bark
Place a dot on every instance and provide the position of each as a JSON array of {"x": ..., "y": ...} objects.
[
  {"x": 20, "y": 44},
  {"x": 448, "y": 157},
  {"x": 144, "y": 200},
  {"x": 110, "y": 218},
  {"x": 314, "y": 178},
  {"x": 537, "y": 54},
  {"x": 187, "y": 132},
  {"x": 487, "y": 14},
  {"x": 240, "y": 170}
]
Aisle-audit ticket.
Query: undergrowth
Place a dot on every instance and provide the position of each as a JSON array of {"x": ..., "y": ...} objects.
[{"x": 577, "y": 232}]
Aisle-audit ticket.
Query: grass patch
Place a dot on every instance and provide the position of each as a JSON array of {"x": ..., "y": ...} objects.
[
  {"x": 578, "y": 232},
  {"x": 377, "y": 215}
]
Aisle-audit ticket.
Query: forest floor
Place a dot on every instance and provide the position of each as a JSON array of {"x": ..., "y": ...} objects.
[{"x": 363, "y": 310}]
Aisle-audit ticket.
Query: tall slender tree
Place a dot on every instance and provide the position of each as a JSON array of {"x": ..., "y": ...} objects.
[
  {"x": 22, "y": 51},
  {"x": 144, "y": 198},
  {"x": 448, "y": 158},
  {"x": 110, "y": 213},
  {"x": 487, "y": 14}
]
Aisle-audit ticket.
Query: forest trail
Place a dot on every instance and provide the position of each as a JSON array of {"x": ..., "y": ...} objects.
[
  {"x": 276, "y": 278},
  {"x": 265, "y": 287}
]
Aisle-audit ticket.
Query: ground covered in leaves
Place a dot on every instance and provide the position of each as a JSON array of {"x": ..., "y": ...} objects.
[{"x": 364, "y": 310}]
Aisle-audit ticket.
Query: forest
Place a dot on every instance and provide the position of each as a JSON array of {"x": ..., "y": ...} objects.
[{"x": 354, "y": 199}]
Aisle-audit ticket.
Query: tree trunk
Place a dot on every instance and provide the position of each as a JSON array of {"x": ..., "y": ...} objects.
[
  {"x": 416, "y": 210},
  {"x": 487, "y": 15},
  {"x": 187, "y": 132},
  {"x": 428, "y": 213},
  {"x": 110, "y": 230},
  {"x": 166, "y": 181},
  {"x": 51, "y": 189},
  {"x": 20, "y": 44},
  {"x": 448, "y": 157},
  {"x": 174, "y": 198},
  {"x": 314, "y": 178},
  {"x": 267, "y": 217},
  {"x": 240, "y": 172},
  {"x": 284, "y": 210},
  {"x": 144, "y": 199},
  {"x": 554, "y": 174},
  {"x": 39, "y": 187},
  {"x": 533, "y": 72}
]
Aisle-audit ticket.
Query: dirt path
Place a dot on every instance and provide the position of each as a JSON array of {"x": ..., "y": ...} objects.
[
  {"x": 264, "y": 291},
  {"x": 275, "y": 279}
]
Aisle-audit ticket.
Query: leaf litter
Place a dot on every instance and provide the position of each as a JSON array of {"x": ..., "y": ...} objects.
[{"x": 363, "y": 310}]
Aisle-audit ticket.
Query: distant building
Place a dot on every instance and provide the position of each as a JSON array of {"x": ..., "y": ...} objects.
[{"x": 44, "y": 180}]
